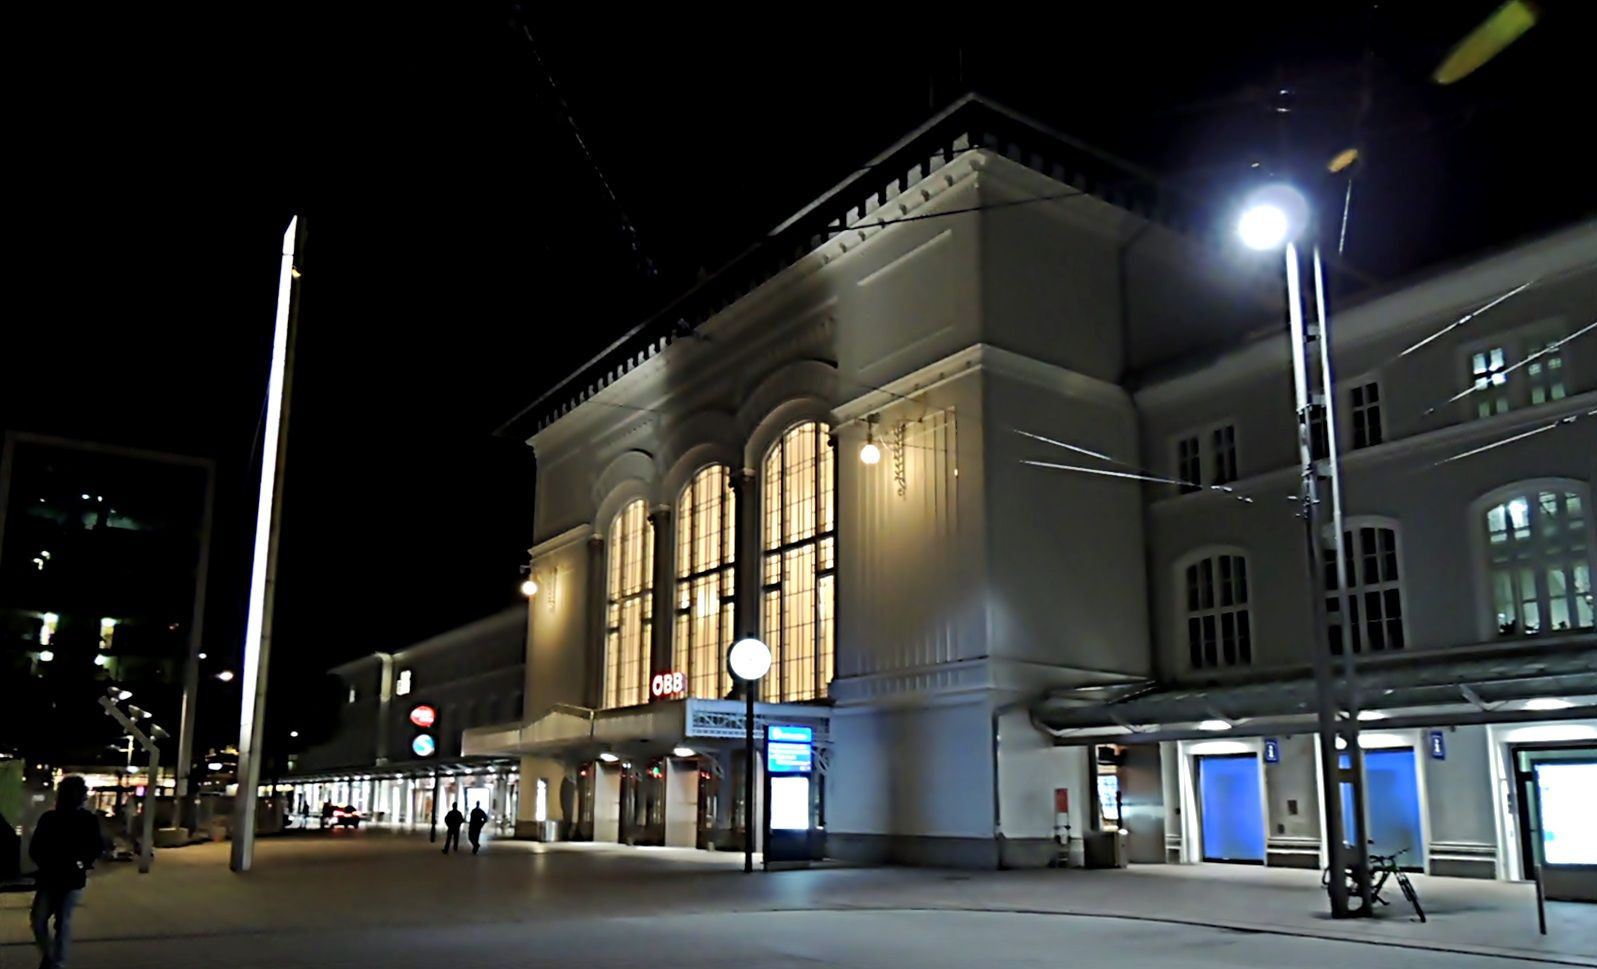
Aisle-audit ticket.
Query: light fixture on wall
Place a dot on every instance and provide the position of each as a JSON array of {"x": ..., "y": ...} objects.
[
  {"x": 869, "y": 453},
  {"x": 1214, "y": 725},
  {"x": 529, "y": 587}
]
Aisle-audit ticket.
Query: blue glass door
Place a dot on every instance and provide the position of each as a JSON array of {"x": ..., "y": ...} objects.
[
  {"x": 1231, "y": 806},
  {"x": 1392, "y": 792}
]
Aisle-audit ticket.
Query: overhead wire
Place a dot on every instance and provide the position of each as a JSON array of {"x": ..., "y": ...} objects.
[
  {"x": 1467, "y": 317},
  {"x": 1564, "y": 421}
]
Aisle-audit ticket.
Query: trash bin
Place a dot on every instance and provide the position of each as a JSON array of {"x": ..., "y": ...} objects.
[{"x": 1104, "y": 849}]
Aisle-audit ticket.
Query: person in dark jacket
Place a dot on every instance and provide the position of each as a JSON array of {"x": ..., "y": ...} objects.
[
  {"x": 452, "y": 822},
  {"x": 479, "y": 817},
  {"x": 66, "y": 844}
]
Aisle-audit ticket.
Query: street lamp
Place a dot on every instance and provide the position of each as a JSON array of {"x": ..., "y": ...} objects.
[
  {"x": 749, "y": 659},
  {"x": 1276, "y": 216}
]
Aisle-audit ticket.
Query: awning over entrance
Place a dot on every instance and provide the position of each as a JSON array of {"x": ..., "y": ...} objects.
[
  {"x": 652, "y": 729},
  {"x": 1553, "y": 679}
]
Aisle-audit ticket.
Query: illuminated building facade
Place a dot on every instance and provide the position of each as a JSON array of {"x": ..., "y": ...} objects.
[{"x": 831, "y": 445}]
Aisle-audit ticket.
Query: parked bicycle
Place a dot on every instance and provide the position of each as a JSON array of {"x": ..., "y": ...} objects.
[{"x": 1382, "y": 868}]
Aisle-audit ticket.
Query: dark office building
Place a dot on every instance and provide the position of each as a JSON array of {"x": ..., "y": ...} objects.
[{"x": 99, "y": 553}]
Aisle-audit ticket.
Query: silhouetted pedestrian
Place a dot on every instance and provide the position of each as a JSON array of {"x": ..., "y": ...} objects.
[
  {"x": 66, "y": 844},
  {"x": 452, "y": 822},
  {"x": 479, "y": 817}
]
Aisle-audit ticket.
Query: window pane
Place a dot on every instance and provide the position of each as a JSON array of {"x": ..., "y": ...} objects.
[
  {"x": 706, "y": 537},
  {"x": 799, "y": 520},
  {"x": 629, "y": 605}
]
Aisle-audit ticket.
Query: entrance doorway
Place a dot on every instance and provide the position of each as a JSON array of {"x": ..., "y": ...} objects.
[
  {"x": 1392, "y": 797},
  {"x": 1555, "y": 787},
  {"x": 1231, "y": 808}
]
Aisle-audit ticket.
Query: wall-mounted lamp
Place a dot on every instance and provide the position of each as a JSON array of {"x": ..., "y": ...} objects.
[{"x": 869, "y": 453}]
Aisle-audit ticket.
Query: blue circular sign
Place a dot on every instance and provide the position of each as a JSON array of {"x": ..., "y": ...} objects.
[{"x": 424, "y": 745}]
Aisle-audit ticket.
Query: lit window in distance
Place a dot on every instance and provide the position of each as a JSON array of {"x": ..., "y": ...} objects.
[{"x": 402, "y": 687}]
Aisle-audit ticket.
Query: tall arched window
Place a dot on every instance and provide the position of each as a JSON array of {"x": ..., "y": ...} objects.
[
  {"x": 706, "y": 526},
  {"x": 1219, "y": 629},
  {"x": 1538, "y": 561},
  {"x": 799, "y": 540},
  {"x": 1374, "y": 586},
  {"x": 629, "y": 610}
]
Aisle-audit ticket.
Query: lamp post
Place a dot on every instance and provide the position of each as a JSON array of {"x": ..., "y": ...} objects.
[
  {"x": 749, "y": 660},
  {"x": 1275, "y": 217}
]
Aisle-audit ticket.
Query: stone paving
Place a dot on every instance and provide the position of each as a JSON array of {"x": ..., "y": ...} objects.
[{"x": 345, "y": 885}]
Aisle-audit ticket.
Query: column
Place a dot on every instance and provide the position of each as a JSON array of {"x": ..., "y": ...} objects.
[
  {"x": 745, "y": 485},
  {"x": 594, "y": 641},
  {"x": 664, "y": 599}
]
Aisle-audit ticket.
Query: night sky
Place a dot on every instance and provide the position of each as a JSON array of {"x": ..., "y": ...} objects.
[{"x": 463, "y": 253}]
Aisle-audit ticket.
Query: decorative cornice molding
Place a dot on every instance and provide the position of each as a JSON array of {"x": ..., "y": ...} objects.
[{"x": 558, "y": 542}]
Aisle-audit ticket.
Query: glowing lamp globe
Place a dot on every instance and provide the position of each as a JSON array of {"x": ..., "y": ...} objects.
[
  {"x": 1271, "y": 217},
  {"x": 529, "y": 588},
  {"x": 749, "y": 659},
  {"x": 869, "y": 453}
]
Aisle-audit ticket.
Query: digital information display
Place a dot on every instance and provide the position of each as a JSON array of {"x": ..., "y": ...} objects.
[
  {"x": 1566, "y": 793},
  {"x": 789, "y": 750}
]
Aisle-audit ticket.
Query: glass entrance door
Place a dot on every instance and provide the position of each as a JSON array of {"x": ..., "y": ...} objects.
[
  {"x": 1392, "y": 795},
  {"x": 1231, "y": 808}
]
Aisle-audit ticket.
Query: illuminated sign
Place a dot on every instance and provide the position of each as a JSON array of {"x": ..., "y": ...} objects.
[
  {"x": 789, "y": 750},
  {"x": 1564, "y": 797},
  {"x": 1438, "y": 745},
  {"x": 1272, "y": 751},
  {"x": 424, "y": 745},
  {"x": 423, "y": 716},
  {"x": 668, "y": 684}
]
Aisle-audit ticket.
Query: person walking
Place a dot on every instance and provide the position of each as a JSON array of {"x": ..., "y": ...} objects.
[
  {"x": 479, "y": 817},
  {"x": 452, "y": 822},
  {"x": 66, "y": 843}
]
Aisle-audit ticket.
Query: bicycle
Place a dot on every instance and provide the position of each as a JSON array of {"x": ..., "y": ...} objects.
[{"x": 1382, "y": 868}]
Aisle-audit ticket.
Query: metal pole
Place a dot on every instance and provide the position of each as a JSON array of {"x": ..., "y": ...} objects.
[
  {"x": 147, "y": 846},
  {"x": 1360, "y": 855},
  {"x": 268, "y": 526},
  {"x": 1541, "y": 902},
  {"x": 1319, "y": 642},
  {"x": 748, "y": 775},
  {"x": 432, "y": 833},
  {"x": 191, "y": 670}
]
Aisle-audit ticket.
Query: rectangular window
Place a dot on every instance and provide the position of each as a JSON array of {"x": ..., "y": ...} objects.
[
  {"x": 1375, "y": 600},
  {"x": 1223, "y": 447},
  {"x": 1490, "y": 382},
  {"x": 1189, "y": 464},
  {"x": 1366, "y": 415},
  {"x": 1319, "y": 442},
  {"x": 1219, "y": 632},
  {"x": 1544, "y": 371}
]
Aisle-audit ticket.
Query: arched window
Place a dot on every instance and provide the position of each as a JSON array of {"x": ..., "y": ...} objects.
[
  {"x": 1219, "y": 629},
  {"x": 1538, "y": 561},
  {"x": 799, "y": 540},
  {"x": 1374, "y": 587},
  {"x": 706, "y": 526},
  {"x": 629, "y": 610}
]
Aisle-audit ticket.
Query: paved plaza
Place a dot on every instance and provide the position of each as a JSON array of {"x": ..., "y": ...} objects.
[{"x": 371, "y": 898}]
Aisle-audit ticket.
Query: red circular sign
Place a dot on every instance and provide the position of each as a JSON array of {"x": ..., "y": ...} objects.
[{"x": 423, "y": 716}]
